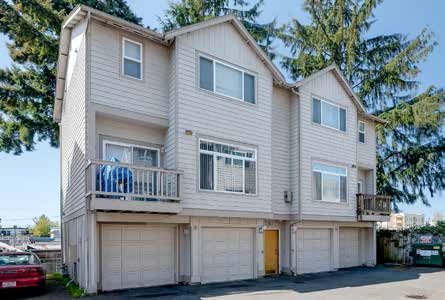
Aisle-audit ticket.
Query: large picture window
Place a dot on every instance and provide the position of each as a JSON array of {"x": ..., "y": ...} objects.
[
  {"x": 226, "y": 80},
  {"x": 328, "y": 115},
  {"x": 329, "y": 183},
  {"x": 227, "y": 168}
]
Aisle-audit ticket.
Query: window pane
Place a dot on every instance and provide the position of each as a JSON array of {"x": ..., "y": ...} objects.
[
  {"x": 316, "y": 111},
  {"x": 330, "y": 115},
  {"x": 132, "y": 50},
  {"x": 206, "y": 73},
  {"x": 343, "y": 188},
  {"x": 229, "y": 176},
  {"x": 316, "y": 188},
  {"x": 342, "y": 119},
  {"x": 132, "y": 68},
  {"x": 206, "y": 172},
  {"x": 118, "y": 153},
  {"x": 361, "y": 137},
  {"x": 250, "y": 177},
  {"x": 228, "y": 81},
  {"x": 328, "y": 168},
  {"x": 361, "y": 126},
  {"x": 145, "y": 157},
  {"x": 249, "y": 88},
  {"x": 331, "y": 185}
]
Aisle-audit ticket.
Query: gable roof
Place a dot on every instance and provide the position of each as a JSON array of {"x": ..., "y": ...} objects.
[
  {"x": 231, "y": 18},
  {"x": 345, "y": 84},
  {"x": 82, "y": 11}
]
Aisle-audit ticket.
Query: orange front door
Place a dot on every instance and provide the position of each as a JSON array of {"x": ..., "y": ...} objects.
[{"x": 271, "y": 251}]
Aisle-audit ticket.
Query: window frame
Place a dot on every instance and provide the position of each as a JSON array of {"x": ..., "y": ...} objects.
[
  {"x": 360, "y": 131},
  {"x": 225, "y": 156},
  {"x": 339, "y": 107},
  {"x": 132, "y": 146},
  {"x": 214, "y": 62},
  {"x": 141, "y": 68},
  {"x": 338, "y": 201}
]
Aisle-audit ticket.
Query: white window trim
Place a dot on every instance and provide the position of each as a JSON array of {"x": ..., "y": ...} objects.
[
  {"x": 321, "y": 114},
  {"x": 225, "y": 155},
  {"x": 140, "y": 61},
  {"x": 360, "y": 131},
  {"x": 214, "y": 61},
  {"x": 339, "y": 184},
  {"x": 108, "y": 142}
]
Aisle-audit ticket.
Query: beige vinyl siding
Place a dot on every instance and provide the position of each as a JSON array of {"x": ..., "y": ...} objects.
[
  {"x": 126, "y": 132},
  {"x": 171, "y": 139},
  {"x": 73, "y": 131},
  {"x": 222, "y": 118},
  {"x": 366, "y": 153},
  {"x": 108, "y": 85},
  {"x": 327, "y": 145},
  {"x": 294, "y": 152},
  {"x": 280, "y": 149}
]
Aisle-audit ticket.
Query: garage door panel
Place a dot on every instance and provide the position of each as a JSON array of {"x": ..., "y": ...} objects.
[
  {"x": 349, "y": 247},
  {"x": 227, "y": 254},
  {"x": 313, "y": 250},
  {"x": 142, "y": 256}
]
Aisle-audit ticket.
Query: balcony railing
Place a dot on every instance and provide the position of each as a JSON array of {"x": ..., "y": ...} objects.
[
  {"x": 371, "y": 207},
  {"x": 122, "y": 181}
]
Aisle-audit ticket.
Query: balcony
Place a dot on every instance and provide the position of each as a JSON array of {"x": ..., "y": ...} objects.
[
  {"x": 373, "y": 207},
  {"x": 116, "y": 186}
]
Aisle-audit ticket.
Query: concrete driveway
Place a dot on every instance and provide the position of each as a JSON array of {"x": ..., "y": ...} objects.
[{"x": 354, "y": 284}]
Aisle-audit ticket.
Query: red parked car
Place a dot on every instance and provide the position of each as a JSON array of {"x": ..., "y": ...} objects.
[{"x": 21, "y": 270}]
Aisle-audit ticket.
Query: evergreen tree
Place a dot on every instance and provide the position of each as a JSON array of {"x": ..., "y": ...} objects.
[
  {"x": 27, "y": 88},
  {"x": 382, "y": 69},
  {"x": 187, "y": 12}
]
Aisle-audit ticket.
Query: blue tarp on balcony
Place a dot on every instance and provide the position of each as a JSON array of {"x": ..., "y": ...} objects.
[{"x": 114, "y": 179}]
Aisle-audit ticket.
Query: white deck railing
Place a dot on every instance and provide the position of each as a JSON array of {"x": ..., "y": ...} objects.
[{"x": 116, "y": 180}]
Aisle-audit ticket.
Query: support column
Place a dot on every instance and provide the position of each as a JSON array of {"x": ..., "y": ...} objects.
[
  {"x": 373, "y": 245},
  {"x": 93, "y": 253},
  {"x": 259, "y": 237},
  {"x": 335, "y": 247},
  {"x": 195, "y": 250},
  {"x": 293, "y": 248}
]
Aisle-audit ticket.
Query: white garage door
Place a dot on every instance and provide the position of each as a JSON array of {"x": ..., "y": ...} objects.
[
  {"x": 313, "y": 250},
  {"x": 137, "y": 256},
  {"x": 349, "y": 247},
  {"x": 227, "y": 254}
]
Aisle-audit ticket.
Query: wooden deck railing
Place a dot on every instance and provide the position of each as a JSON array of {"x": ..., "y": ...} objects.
[
  {"x": 116, "y": 180},
  {"x": 368, "y": 204}
]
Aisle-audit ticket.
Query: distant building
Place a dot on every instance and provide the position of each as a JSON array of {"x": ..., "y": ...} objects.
[
  {"x": 403, "y": 221},
  {"x": 436, "y": 218},
  {"x": 14, "y": 231}
]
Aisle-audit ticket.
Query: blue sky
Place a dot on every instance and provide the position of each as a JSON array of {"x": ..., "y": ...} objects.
[{"x": 29, "y": 184}]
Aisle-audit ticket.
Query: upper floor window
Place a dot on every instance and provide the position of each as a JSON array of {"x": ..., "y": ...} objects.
[
  {"x": 329, "y": 183},
  {"x": 361, "y": 132},
  {"x": 226, "y": 80},
  {"x": 131, "y": 58},
  {"x": 328, "y": 115},
  {"x": 227, "y": 168}
]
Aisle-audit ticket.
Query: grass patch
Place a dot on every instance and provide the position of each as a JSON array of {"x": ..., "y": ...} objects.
[{"x": 73, "y": 289}]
